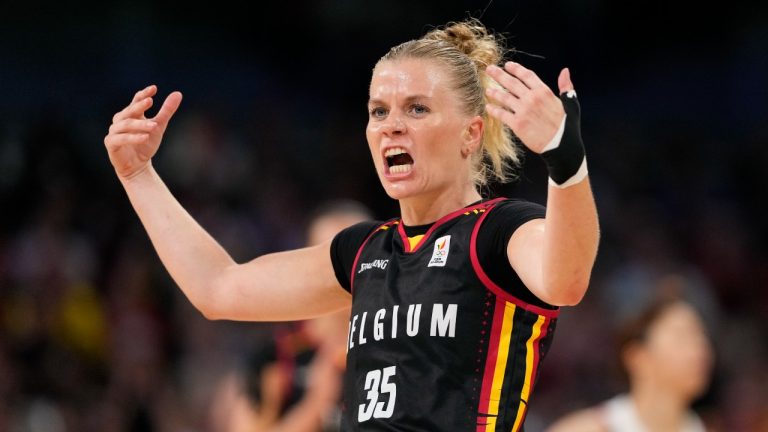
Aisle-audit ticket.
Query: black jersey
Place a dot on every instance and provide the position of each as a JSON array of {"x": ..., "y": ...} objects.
[{"x": 434, "y": 344}]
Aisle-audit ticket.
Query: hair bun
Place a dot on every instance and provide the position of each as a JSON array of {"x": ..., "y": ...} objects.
[
  {"x": 472, "y": 38},
  {"x": 462, "y": 37}
]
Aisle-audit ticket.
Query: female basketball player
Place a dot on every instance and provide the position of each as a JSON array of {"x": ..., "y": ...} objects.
[
  {"x": 454, "y": 302},
  {"x": 667, "y": 357}
]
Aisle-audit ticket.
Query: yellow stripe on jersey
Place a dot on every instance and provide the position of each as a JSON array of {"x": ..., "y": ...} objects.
[
  {"x": 415, "y": 240},
  {"x": 501, "y": 365},
  {"x": 525, "y": 393}
]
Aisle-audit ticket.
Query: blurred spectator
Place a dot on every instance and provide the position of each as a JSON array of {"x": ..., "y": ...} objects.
[{"x": 293, "y": 384}]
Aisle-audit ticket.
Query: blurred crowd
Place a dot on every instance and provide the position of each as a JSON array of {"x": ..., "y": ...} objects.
[{"x": 95, "y": 336}]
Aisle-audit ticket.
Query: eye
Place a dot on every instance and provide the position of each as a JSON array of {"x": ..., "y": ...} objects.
[
  {"x": 377, "y": 112},
  {"x": 419, "y": 110}
]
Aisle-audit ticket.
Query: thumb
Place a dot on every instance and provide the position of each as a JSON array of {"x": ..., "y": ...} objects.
[
  {"x": 564, "y": 81},
  {"x": 169, "y": 107}
]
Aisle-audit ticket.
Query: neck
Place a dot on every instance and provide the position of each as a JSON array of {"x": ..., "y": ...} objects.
[
  {"x": 427, "y": 208},
  {"x": 659, "y": 408}
]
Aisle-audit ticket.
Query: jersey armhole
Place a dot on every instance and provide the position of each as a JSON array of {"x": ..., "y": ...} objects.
[
  {"x": 492, "y": 286},
  {"x": 383, "y": 226}
]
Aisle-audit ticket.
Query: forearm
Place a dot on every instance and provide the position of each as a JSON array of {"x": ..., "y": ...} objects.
[
  {"x": 571, "y": 237},
  {"x": 307, "y": 415},
  {"x": 191, "y": 256}
]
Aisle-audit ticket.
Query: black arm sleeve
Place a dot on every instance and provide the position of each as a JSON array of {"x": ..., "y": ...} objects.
[
  {"x": 492, "y": 241},
  {"x": 344, "y": 248}
]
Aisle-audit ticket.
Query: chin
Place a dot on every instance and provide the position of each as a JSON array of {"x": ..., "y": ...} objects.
[
  {"x": 398, "y": 190},
  {"x": 397, "y": 193},
  {"x": 404, "y": 189}
]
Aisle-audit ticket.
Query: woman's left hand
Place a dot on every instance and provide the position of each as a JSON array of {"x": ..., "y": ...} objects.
[{"x": 528, "y": 106}]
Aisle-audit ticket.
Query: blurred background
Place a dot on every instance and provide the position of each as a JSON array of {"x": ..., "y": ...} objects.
[{"x": 95, "y": 336}]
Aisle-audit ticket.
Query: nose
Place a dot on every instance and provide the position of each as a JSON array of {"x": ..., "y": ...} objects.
[{"x": 394, "y": 125}]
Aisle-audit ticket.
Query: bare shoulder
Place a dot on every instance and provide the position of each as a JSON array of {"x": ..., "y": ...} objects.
[{"x": 585, "y": 420}]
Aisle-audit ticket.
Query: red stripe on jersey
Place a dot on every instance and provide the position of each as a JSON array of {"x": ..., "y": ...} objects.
[
  {"x": 490, "y": 364},
  {"x": 549, "y": 313},
  {"x": 530, "y": 380},
  {"x": 404, "y": 238},
  {"x": 536, "y": 352}
]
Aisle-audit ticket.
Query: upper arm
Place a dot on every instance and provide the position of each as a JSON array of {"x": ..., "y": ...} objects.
[
  {"x": 291, "y": 285},
  {"x": 524, "y": 251},
  {"x": 587, "y": 420},
  {"x": 514, "y": 231}
]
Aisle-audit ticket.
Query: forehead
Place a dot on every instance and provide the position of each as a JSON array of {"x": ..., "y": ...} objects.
[
  {"x": 678, "y": 317},
  {"x": 408, "y": 77}
]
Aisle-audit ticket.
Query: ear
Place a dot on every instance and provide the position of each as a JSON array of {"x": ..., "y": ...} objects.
[{"x": 472, "y": 136}]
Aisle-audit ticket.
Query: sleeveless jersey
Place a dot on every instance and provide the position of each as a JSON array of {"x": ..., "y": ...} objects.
[
  {"x": 619, "y": 415},
  {"x": 434, "y": 344}
]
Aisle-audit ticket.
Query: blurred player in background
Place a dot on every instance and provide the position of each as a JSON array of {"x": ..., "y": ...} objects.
[
  {"x": 293, "y": 384},
  {"x": 667, "y": 357}
]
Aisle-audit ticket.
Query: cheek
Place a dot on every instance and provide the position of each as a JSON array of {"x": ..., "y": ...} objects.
[
  {"x": 696, "y": 353},
  {"x": 679, "y": 359},
  {"x": 439, "y": 140},
  {"x": 373, "y": 143},
  {"x": 369, "y": 134},
  {"x": 373, "y": 127}
]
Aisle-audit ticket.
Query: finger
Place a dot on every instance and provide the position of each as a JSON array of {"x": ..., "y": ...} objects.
[
  {"x": 132, "y": 125},
  {"x": 148, "y": 91},
  {"x": 564, "y": 82},
  {"x": 509, "y": 82},
  {"x": 504, "y": 98},
  {"x": 134, "y": 110},
  {"x": 500, "y": 113},
  {"x": 119, "y": 140},
  {"x": 527, "y": 76},
  {"x": 169, "y": 107}
]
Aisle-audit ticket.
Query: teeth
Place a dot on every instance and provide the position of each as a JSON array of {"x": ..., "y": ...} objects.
[
  {"x": 394, "y": 152},
  {"x": 400, "y": 169}
]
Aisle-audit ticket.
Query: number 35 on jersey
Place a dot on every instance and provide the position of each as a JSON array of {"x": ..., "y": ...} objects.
[{"x": 380, "y": 400}]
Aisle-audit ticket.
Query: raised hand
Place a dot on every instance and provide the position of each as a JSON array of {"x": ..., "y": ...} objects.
[
  {"x": 324, "y": 379},
  {"x": 526, "y": 104},
  {"x": 133, "y": 139}
]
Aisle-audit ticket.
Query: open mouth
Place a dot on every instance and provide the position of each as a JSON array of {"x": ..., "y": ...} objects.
[{"x": 398, "y": 161}]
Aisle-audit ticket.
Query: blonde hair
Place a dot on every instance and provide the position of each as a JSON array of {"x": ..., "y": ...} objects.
[{"x": 467, "y": 48}]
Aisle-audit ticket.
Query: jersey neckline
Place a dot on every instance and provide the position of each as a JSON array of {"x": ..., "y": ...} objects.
[
  {"x": 430, "y": 228},
  {"x": 416, "y": 230}
]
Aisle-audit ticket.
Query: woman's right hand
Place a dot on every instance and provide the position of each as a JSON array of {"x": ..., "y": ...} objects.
[{"x": 133, "y": 139}]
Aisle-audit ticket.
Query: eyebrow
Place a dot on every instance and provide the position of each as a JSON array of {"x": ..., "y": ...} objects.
[{"x": 409, "y": 99}]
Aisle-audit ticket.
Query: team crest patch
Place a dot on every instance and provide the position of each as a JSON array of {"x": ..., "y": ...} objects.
[{"x": 440, "y": 254}]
